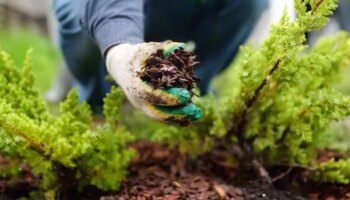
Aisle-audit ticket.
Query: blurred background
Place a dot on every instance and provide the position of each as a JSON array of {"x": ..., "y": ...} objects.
[{"x": 30, "y": 24}]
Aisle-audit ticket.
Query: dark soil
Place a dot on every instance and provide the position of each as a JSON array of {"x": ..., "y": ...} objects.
[
  {"x": 161, "y": 173},
  {"x": 176, "y": 70}
]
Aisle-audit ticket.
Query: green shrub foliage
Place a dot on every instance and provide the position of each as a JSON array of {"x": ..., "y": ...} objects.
[
  {"x": 66, "y": 151},
  {"x": 281, "y": 100},
  {"x": 334, "y": 172},
  {"x": 277, "y": 110}
]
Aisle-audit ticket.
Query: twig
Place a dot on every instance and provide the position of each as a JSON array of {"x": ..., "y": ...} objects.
[
  {"x": 317, "y": 5},
  {"x": 294, "y": 166},
  {"x": 284, "y": 174},
  {"x": 259, "y": 168},
  {"x": 245, "y": 194},
  {"x": 262, "y": 85},
  {"x": 263, "y": 173}
]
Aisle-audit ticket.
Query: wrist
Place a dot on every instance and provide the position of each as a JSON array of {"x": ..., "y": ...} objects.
[{"x": 113, "y": 52}]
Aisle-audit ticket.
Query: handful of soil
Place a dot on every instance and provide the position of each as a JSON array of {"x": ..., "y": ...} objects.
[{"x": 175, "y": 70}]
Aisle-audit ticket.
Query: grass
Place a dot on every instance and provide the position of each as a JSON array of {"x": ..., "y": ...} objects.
[{"x": 45, "y": 56}]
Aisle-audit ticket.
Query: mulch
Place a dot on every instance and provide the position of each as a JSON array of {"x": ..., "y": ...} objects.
[
  {"x": 162, "y": 173},
  {"x": 175, "y": 70}
]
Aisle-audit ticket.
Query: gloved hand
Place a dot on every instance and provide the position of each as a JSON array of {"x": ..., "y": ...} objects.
[{"x": 124, "y": 61}]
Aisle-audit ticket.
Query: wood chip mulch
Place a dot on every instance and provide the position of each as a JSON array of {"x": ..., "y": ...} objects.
[
  {"x": 176, "y": 70},
  {"x": 160, "y": 173}
]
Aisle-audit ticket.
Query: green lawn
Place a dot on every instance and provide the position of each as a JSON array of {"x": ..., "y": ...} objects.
[{"x": 45, "y": 56}]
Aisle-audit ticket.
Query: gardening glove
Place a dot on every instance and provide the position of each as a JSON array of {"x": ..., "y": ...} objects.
[{"x": 126, "y": 61}]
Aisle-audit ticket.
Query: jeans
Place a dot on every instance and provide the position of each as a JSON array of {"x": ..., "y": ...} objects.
[
  {"x": 217, "y": 27},
  {"x": 342, "y": 14}
]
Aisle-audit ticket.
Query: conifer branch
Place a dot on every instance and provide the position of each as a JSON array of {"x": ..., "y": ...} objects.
[
  {"x": 302, "y": 115},
  {"x": 35, "y": 145},
  {"x": 252, "y": 100},
  {"x": 243, "y": 143},
  {"x": 287, "y": 129},
  {"x": 67, "y": 154},
  {"x": 242, "y": 119}
]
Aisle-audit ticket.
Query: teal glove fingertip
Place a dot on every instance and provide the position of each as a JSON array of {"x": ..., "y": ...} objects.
[
  {"x": 171, "y": 50},
  {"x": 181, "y": 94},
  {"x": 191, "y": 111}
]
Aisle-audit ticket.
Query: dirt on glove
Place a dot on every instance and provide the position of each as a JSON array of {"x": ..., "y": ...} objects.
[{"x": 175, "y": 70}]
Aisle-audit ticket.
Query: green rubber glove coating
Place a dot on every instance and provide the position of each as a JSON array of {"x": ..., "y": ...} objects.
[
  {"x": 190, "y": 110},
  {"x": 171, "y": 50},
  {"x": 181, "y": 94}
]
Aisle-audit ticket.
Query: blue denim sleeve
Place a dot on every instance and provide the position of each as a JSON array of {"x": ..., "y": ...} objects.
[{"x": 112, "y": 22}]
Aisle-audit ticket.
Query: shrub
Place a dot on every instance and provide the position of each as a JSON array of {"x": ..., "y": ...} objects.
[
  {"x": 281, "y": 102},
  {"x": 278, "y": 110},
  {"x": 66, "y": 151}
]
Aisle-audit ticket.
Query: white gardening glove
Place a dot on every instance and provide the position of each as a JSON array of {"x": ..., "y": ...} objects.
[{"x": 125, "y": 61}]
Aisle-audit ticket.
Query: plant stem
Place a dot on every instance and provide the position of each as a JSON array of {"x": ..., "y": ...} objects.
[
  {"x": 252, "y": 100},
  {"x": 317, "y": 5},
  {"x": 286, "y": 130},
  {"x": 66, "y": 182},
  {"x": 242, "y": 120},
  {"x": 243, "y": 116},
  {"x": 282, "y": 175}
]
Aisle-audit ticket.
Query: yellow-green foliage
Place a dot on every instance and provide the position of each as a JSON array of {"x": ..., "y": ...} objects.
[
  {"x": 278, "y": 100},
  {"x": 286, "y": 101},
  {"x": 334, "y": 171},
  {"x": 57, "y": 145},
  {"x": 283, "y": 101}
]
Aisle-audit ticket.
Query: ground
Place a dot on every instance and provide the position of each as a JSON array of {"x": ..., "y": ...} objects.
[{"x": 163, "y": 173}]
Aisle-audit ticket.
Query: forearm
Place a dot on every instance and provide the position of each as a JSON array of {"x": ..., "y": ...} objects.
[{"x": 111, "y": 22}]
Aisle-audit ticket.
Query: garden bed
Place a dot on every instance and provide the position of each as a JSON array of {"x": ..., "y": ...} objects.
[
  {"x": 159, "y": 172},
  {"x": 269, "y": 136}
]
